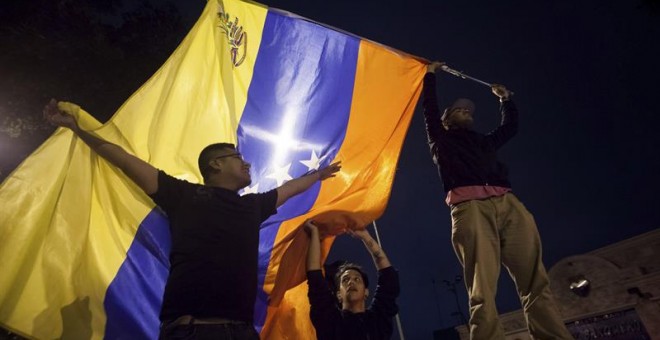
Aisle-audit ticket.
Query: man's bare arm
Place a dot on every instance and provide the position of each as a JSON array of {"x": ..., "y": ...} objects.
[
  {"x": 300, "y": 184},
  {"x": 377, "y": 253},
  {"x": 139, "y": 171}
]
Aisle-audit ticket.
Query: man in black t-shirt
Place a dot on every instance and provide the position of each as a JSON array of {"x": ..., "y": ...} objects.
[{"x": 211, "y": 288}]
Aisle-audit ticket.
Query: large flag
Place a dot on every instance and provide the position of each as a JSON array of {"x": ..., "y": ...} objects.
[{"x": 84, "y": 252}]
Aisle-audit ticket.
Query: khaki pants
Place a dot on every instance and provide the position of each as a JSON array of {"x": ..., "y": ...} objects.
[{"x": 498, "y": 230}]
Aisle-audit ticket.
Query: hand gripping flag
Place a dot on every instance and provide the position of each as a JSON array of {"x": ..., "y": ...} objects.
[{"x": 83, "y": 252}]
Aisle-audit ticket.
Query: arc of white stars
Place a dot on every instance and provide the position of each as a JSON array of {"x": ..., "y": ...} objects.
[
  {"x": 280, "y": 174},
  {"x": 313, "y": 163}
]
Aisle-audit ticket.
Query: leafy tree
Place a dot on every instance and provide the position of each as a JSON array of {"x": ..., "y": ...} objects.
[{"x": 95, "y": 53}]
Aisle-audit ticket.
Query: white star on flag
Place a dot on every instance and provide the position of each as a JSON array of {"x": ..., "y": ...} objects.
[
  {"x": 281, "y": 174},
  {"x": 313, "y": 162},
  {"x": 251, "y": 189}
]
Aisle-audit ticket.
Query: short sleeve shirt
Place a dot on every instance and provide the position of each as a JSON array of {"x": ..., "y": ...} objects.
[{"x": 215, "y": 240}]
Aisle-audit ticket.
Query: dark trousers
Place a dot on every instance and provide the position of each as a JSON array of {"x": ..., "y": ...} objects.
[{"x": 227, "y": 331}]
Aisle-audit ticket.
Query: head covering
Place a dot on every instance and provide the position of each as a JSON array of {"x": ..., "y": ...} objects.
[{"x": 463, "y": 103}]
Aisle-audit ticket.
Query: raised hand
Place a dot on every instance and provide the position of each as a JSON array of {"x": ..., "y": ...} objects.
[
  {"x": 56, "y": 117},
  {"x": 377, "y": 253},
  {"x": 310, "y": 228},
  {"x": 361, "y": 234},
  {"x": 500, "y": 91},
  {"x": 329, "y": 171},
  {"x": 434, "y": 66}
]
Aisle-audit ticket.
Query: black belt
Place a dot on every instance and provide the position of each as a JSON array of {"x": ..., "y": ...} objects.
[{"x": 190, "y": 320}]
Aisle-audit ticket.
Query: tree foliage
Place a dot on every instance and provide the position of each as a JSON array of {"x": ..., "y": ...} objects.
[{"x": 95, "y": 53}]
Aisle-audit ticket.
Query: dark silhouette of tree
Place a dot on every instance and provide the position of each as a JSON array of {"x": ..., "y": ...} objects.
[{"x": 95, "y": 53}]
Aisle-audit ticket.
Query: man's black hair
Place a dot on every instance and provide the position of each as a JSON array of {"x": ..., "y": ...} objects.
[
  {"x": 350, "y": 266},
  {"x": 208, "y": 154}
]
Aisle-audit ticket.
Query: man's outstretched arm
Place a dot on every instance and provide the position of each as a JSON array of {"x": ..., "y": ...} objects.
[
  {"x": 314, "y": 250},
  {"x": 384, "y": 303},
  {"x": 432, "y": 116},
  {"x": 139, "y": 171},
  {"x": 509, "y": 126},
  {"x": 300, "y": 184},
  {"x": 377, "y": 253}
]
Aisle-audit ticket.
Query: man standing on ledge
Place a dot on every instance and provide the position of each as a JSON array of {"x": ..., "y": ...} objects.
[
  {"x": 212, "y": 284},
  {"x": 490, "y": 226}
]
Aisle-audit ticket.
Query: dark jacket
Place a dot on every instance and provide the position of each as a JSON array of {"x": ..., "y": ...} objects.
[
  {"x": 375, "y": 323},
  {"x": 465, "y": 157}
]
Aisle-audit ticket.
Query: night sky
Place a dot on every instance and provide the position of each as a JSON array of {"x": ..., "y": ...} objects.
[{"x": 584, "y": 162}]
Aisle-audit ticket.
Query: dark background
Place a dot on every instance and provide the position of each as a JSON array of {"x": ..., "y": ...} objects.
[{"x": 585, "y": 74}]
